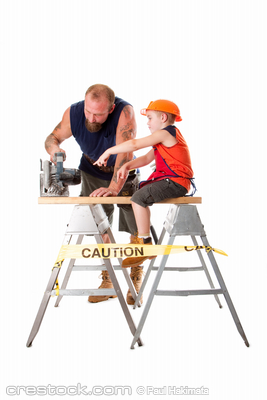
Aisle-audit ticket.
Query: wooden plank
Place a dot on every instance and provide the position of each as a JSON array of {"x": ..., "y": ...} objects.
[{"x": 112, "y": 200}]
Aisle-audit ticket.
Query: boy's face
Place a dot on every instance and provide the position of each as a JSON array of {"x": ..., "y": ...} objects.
[{"x": 154, "y": 120}]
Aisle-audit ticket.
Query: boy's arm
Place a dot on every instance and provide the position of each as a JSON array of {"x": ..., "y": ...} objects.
[
  {"x": 133, "y": 145},
  {"x": 134, "y": 164}
]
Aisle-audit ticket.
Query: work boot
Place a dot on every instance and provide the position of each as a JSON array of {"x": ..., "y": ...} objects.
[
  {"x": 106, "y": 284},
  {"x": 136, "y": 261},
  {"x": 136, "y": 277},
  {"x": 134, "y": 238}
]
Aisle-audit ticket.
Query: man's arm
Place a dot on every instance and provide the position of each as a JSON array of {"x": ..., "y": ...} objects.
[
  {"x": 61, "y": 132},
  {"x": 126, "y": 130}
]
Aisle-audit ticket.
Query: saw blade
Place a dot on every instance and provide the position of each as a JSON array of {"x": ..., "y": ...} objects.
[{"x": 57, "y": 188}]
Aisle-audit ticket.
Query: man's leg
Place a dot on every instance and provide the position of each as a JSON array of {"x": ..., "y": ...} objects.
[
  {"x": 127, "y": 223},
  {"x": 89, "y": 184}
]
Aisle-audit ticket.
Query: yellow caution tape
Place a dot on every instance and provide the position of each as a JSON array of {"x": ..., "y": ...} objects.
[
  {"x": 114, "y": 250},
  {"x": 57, "y": 288},
  {"x": 57, "y": 265}
]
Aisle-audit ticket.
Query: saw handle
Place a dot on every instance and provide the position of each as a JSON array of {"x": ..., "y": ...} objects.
[{"x": 58, "y": 157}]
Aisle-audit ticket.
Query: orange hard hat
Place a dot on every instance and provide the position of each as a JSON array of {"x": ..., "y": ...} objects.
[{"x": 165, "y": 106}]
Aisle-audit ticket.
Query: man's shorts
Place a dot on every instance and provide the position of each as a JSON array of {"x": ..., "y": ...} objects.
[
  {"x": 157, "y": 191},
  {"x": 126, "y": 216}
]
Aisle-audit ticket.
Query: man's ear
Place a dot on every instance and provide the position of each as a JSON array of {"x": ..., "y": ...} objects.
[
  {"x": 164, "y": 117},
  {"x": 112, "y": 109}
]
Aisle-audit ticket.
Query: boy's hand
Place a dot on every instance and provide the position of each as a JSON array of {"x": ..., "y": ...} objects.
[
  {"x": 122, "y": 172},
  {"x": 103, "y": 159}
]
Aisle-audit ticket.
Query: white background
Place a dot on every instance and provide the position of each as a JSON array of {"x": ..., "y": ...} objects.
[{"x": 210, "y": 58}]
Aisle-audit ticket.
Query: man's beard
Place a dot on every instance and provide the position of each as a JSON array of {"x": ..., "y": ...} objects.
[{"x": 93, "y": 126}]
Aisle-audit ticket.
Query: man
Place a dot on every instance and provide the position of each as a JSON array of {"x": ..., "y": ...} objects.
[{"x": 98, "y": 122}]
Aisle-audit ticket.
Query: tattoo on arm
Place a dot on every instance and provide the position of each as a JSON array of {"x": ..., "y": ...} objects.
[
  {"x": 123, "y": 161},
  {"x": 114, "y": 178},
  {"x": 58, "y": 127},
  {"x": 127, "y": 131},
  {"x": 51, "y": 140},
  {"x": 127, "y": 111}
]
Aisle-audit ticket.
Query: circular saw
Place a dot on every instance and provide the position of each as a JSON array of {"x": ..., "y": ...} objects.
[{"x": 54, "y": 179}]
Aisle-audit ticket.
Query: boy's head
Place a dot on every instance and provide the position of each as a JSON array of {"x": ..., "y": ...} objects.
[
  {"x": 157, "y": 120},
  {"x": 166, "y": 107}
]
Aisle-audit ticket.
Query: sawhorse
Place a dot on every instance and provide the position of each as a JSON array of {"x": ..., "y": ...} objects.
[
  {"x": 183, "y": 220},
  {"x": 89, "y": 220}
]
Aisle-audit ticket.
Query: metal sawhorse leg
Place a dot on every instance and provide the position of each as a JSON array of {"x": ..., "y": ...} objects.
[
  {"x": 184, "y": 220},
  {"x": 85, "y": 220}
]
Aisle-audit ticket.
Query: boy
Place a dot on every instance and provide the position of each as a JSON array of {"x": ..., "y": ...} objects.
[{"x": 173, "y": 175}]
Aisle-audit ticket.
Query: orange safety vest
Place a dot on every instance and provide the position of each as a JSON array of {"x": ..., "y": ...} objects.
[{"x": 173, "y": 163}]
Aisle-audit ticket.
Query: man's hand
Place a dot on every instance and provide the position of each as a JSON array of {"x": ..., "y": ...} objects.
[
  {"x": 52, "y": 155},
  {"x": 104, "y": 192}
]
